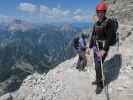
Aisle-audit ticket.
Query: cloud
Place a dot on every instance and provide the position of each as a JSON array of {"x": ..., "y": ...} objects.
[
  {"x": 56, "y": 13},
  {"x": 27, "y": 7},
  {"x": 53, "y": 12},
  {"x": 82, "y": 15},
  {"x": 6, "y": 19},
  {"x": 81, "y": 18},
  {"x": 44, "y": 9},
  {"x": 77, "y": 11},
  {"x": 78, "y": 17}
]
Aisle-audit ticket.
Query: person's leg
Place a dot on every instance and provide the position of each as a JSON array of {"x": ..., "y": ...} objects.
[
  {"x": 97, "y": 68},
  {"x": 98, "y": 71},
  {"x": 82, "y": 57},
  {"x": 79, "y": 60},
  {"x": 84, "y": 60},
  {"x": 100, "y": 77},
  {"x": 78, "y": 63}
]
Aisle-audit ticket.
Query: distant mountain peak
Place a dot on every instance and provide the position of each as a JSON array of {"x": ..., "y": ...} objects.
[{"x": 19, "y": 25}]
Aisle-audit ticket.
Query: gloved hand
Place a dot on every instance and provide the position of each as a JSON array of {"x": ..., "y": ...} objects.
[
  {"x": 88, "y": 51},
  {"x": 101, "y": 53}
]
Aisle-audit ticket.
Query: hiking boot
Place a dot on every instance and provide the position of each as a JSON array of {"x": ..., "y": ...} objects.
[
  {"x": 94, "y": 83},
  {"x": 100, "y": 84},
  {"x": 97, "y": 83},
  {"x": 84, "y": 70},
  {"x": 99, "y": 89},
  {"x": 77, "y": 67}
]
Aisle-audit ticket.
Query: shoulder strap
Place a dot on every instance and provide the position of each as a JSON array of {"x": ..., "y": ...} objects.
[{"x": 105, "y": 22}]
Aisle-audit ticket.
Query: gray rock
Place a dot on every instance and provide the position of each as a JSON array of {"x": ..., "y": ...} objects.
[{"x": 6, "y": 97}]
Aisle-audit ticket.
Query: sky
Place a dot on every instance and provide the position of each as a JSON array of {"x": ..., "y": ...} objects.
[{"x": 48, "y": 10}]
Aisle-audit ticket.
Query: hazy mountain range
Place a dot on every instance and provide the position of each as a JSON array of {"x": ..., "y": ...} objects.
[{"x": 26, "y": 48}]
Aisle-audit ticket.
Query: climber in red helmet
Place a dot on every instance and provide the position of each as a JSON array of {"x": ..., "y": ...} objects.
[
  {"x": 101, "y": 9},
  {"x": 100, "y": 43}
]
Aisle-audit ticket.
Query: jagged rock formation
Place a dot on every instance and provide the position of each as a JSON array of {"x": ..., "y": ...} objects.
[{"x": 122, "y": 9}]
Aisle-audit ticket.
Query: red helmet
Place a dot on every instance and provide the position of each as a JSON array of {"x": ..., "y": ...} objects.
[{"x": 101, "y": 6}]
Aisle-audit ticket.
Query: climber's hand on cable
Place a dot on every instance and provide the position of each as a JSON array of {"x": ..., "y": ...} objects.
[
  {"x": 88, "y": 51},
  {"x": 102, "y": 52}
]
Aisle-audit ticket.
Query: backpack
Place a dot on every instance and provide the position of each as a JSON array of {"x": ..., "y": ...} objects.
[
  {"x": 82, "y": 43},
  {"x": 79, "y": 43},
  {"x": 114, "y": 34},
  {"x": 76, "y": 42}
]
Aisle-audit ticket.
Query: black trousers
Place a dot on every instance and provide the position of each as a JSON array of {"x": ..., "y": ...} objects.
[
  {"x": 82, "y": 61},
  {"x": 98, "y": 69}
]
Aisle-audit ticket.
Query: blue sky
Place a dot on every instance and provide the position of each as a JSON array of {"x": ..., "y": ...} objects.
[{"x": 48, "y": 10}]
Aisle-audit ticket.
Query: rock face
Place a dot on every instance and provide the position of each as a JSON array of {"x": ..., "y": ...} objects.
[
  {"x": 122, "y": 9},
  {"x": 6, "y": 97},
  {"x": 65, "y": 82}
]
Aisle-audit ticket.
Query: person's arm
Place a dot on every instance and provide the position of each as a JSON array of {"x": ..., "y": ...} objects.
[{"x": 91, "y": 40}]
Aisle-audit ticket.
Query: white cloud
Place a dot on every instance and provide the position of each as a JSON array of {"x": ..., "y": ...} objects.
[
  {"x": 82, "y": 17},
  {"x": 66, "y": 12},
  {"x": 6, "y": 19},
  {"x": 53, "y": 12},
  {"x": 78, "y": 17},
  {"x": 44, "y": 9},
  {"x": 77, "y": 11},
  {"x": 27, "y": 7},
  {"x": 56, "y": 13}
]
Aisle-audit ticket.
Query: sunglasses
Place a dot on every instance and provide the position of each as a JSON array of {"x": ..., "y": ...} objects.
[{"x": 101, "y": 11}]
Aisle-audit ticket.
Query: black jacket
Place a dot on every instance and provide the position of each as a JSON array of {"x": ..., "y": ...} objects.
[{"x": 105, "y": 36}]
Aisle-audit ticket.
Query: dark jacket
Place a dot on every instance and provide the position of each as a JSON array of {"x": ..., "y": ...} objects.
[{"x": 103, "y": 35}]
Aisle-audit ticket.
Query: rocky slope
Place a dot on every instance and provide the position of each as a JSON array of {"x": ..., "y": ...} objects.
[
  {"x": 27, "y": 48},
  {"x": 67, "y": 83}
]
